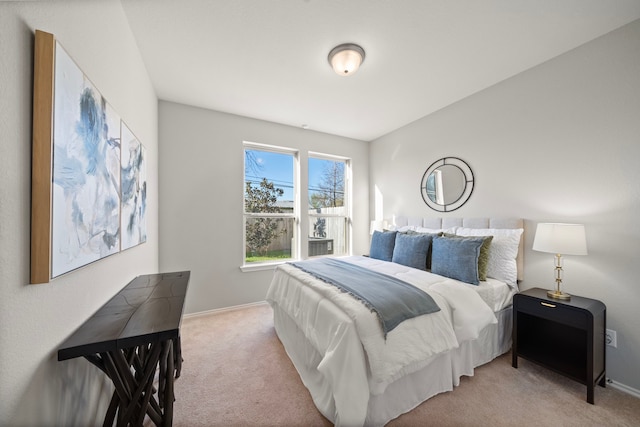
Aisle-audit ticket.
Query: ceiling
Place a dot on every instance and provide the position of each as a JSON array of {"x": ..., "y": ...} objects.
[{"x": 268, "y": 59}]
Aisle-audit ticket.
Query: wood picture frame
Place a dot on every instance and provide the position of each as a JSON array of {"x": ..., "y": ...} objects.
[
  {"x": 77, "y": 193},
  {"x": 42, "y": 156}
]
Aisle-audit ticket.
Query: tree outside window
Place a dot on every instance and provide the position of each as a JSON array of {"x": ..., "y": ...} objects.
[{"x": 262, "y": 231}]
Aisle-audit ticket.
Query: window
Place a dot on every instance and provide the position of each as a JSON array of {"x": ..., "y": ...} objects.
[
  {"x": 269, "y": 204},
  {"x": 276, "y": 209},
  {"x": 328, "y": 207}
]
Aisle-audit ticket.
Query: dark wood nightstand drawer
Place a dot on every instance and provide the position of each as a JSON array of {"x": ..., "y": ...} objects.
[{"x": 556, "y": 312}]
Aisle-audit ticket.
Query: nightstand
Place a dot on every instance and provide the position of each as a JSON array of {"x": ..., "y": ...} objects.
[{"x": 567, "y": 337}]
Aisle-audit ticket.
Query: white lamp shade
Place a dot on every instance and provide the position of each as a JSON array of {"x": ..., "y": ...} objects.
[
  {"x": 564, "y": 239},
  {"x": 346, "y": 58}
]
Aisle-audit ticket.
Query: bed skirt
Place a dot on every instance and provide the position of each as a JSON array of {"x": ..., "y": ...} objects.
[{"x": 441, "y": 374}]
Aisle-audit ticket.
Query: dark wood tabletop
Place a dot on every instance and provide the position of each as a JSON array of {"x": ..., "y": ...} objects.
[{"x": 147, "y": 310}]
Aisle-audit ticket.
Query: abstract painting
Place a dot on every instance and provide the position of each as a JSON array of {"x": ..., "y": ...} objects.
[
  {"x": 86, "y": 171},
  {"x": 133, "y": 193}
]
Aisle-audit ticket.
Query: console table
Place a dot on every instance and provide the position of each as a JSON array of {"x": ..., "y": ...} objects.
[{"x": 133, "y": 336}]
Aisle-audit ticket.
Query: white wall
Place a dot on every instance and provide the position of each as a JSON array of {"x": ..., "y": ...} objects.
[
  {"x": 36, "y": 389},
  {"x": 560, "y": 142},
  {"x": 201, "y": 198}
]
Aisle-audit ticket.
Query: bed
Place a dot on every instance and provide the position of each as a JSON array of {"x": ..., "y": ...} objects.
[{"x": 360, "y": 374}]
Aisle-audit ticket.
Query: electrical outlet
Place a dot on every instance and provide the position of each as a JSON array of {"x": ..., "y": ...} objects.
[{"x": 612, "y": 338}]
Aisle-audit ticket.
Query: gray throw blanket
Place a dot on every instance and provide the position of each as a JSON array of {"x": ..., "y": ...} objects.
[{"x": 393, "y": 300}]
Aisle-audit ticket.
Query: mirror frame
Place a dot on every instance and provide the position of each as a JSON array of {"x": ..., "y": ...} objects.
[{"x": 464, "y": 196}]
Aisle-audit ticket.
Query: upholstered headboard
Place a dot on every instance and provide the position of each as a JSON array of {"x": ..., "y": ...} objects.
[{"x": 444, "y": 223}]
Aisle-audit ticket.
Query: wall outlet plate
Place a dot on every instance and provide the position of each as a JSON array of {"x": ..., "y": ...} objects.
[{"x": 611, "y": 338}]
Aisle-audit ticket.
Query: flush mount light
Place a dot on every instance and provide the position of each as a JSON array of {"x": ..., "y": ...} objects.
[{"x": 345, "y": 59}]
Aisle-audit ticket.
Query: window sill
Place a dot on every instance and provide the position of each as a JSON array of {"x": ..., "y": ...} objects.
[{"x": 261, "y": 267}]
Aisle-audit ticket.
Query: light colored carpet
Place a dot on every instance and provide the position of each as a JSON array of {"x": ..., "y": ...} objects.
[{"x": 236, "y": 373}]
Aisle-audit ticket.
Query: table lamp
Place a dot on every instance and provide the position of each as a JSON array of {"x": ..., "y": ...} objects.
[{"x": 560, "y": 239}]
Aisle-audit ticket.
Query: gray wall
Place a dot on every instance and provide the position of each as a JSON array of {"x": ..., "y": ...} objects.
[
  {"x": 560, "y": 142},
  {"x": 36, "y": 389},
  {"x": 201, "y": 197}
]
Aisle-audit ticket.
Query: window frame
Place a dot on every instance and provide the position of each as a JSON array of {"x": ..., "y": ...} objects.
[
  {"x": 295, "y": 215},
  {"x": 300, "y": 215},
  {"x": 346, "y": 200}
]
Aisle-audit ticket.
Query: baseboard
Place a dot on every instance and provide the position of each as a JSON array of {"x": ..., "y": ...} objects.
[
  {"x": 623, "y": 387},
  {"x": 225, "y": 309}
]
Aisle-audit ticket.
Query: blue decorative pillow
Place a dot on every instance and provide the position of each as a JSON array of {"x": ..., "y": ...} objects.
[
  {"x": 483, "y": 259},
  {"x": 430, "y": 248},
  {"x": 382, "y": 243},
  {"x": 457, "y": 258},
  {"x": 412, "y": 249}
]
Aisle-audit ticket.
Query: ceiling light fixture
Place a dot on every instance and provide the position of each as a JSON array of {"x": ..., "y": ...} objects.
[{"x": 345, "y": 59}]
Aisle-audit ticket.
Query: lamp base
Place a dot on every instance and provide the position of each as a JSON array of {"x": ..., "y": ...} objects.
[{"x": 558, "y": 295}]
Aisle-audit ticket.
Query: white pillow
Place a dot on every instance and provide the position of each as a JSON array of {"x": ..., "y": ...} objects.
[
  {"x": 450, "y": 230},
  {"x": 402, "y": 229},
  {"x": 503, "y": 251}
]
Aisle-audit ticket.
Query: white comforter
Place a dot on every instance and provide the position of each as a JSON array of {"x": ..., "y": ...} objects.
[{"x": 347, "y": 335}]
